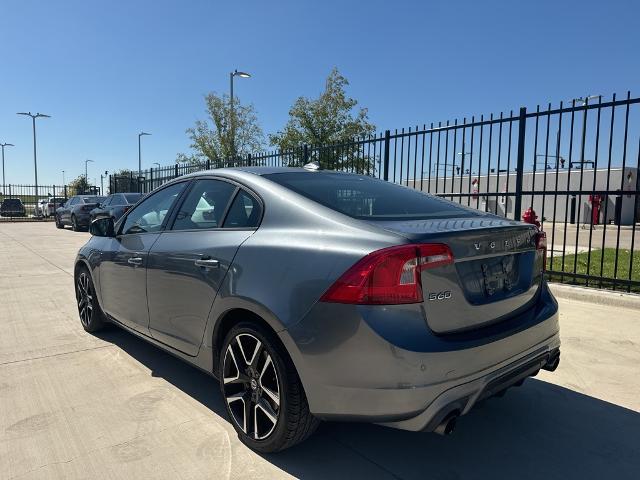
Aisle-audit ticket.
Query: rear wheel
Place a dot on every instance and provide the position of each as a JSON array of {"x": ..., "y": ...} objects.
[
  {"x": 91, "y": 316},
  {"x": 262, "y": 390}
]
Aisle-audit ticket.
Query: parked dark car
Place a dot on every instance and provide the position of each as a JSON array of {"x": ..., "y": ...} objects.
[
  {"x": 115, "y": 205},
  {"x": 12, "y": 207},
  {"x": 318, "y": 295},
  {"x": 76, "y": 211}
]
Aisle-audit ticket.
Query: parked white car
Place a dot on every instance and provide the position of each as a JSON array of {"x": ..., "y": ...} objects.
[
  {"x": 46, "y": 207},
  {"x": 41, "y": 207}
]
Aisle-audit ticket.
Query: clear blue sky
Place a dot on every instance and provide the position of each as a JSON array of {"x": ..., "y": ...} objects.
[{"x": 106, "y": 70}]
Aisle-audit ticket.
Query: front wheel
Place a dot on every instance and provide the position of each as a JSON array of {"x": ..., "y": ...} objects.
[
  {"x": 263, "y": 393},
  {"x": 91, "y": 316},
  {"x": 74, "y": 224},
  {"x": 58, "y": 222}
]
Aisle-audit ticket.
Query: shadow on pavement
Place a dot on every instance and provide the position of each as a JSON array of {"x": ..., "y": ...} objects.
[{"x": 539, "y": 430}]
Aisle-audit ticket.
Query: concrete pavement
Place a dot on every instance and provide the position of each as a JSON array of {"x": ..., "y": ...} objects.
[{"x": 73, "y": 405}]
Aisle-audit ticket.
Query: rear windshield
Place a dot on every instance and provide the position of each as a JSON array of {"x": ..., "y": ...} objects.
[
  {"x": 367, "y": 198},
  {"x": 132, "y": 197},
  {"x": 11, "y": 201},
  {"x": 93, "y": 199}
]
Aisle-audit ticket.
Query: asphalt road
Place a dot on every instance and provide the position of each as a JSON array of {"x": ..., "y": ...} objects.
[{"x": 73, "y": 405}]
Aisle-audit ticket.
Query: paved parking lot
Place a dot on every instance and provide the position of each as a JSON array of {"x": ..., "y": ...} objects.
[{"x": 74, "y": 405}]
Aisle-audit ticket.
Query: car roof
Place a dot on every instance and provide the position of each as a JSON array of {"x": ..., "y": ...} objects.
[{"x": 260, "y": 171}]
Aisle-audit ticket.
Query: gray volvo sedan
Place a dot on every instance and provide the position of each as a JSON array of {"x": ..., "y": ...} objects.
[{"x": 319, "y": 295}]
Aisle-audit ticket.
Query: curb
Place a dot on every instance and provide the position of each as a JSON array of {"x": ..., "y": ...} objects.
[{"x": 592, "y": 295}]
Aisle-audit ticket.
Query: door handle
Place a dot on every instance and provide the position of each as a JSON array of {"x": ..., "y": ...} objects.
[
  {"x": 135, "y": 260},
  {"x": 207, "y": 263}
]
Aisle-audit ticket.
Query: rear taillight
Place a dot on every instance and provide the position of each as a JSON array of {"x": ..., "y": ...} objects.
[
  {"x": 541, "y": 248},
  {"x": 389, "y": 276},
  {"x": 49, "y": 205},
  {"x": 126, "y": 208}
]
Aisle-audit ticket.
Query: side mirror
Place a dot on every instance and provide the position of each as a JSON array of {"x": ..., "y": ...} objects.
[{"x": 102, "y": 227}]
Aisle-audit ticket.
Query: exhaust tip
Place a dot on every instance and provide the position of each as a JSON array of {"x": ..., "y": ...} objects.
[{"x": 448, "y": 425}]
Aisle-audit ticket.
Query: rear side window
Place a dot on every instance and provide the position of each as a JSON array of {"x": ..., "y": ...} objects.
[
  {"x": 367, "y": 198},
  {"x": 132, "y": 197},
  {"x": 244, "y": 212},
  {"x": 204, "y": 206}
]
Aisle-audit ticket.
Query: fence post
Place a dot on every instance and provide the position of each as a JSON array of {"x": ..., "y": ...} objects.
[
  {"x": 387, "y": 142},
  {"x": 249, "y": 160},
  {"x": 176, "y": 171},
  {"x": 208, "y": 164},
  {"x": 522, "y": 126},
  {"x": 305, "y": 154},
  {"x": 66, "y": 197}
]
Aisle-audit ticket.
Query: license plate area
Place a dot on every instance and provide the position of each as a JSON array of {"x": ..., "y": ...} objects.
[{"x": 499, "y": 275}]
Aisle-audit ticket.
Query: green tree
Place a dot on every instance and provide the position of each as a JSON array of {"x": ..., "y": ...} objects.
[
  {"x": 329, "y": 120},
  {"x": 211, "y": 138},
  {"x": 79, "y": 186}
]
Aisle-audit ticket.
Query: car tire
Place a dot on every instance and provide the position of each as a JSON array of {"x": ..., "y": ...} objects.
[
  {"x": 91, "y": 317},
  {"x": 58, "y": 222},
  {"x": 277, "y": 415},
  {"x": 74, "y": 224}
]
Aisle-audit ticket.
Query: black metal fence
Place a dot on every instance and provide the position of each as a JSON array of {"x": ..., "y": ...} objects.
[
  {"x": 28, "y": 203},
  {"x": 575, "y": 164}
]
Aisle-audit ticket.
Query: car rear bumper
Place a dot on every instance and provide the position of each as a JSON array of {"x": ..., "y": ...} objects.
[
  {"x": 357, "y": 366},
  {"x": 83, "y": 219}
]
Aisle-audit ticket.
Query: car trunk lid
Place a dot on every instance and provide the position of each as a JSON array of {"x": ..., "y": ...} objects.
[{"x": 496, "y": 271}]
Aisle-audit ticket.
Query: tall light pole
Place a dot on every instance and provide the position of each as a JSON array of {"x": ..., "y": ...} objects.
[
  {"x": 140, "y": 135},
  {"x": 35, "y": 156},
  {"x": 4, "y": 187},
  {"x": 86, "y": 179},
  {"x": 232, "y": 75},
  {"x": 463, "y": 154},
  {"x": 106, "y": 173},
  {"x": 63, "y": 180},
  {"x": 156, "y": 163}
]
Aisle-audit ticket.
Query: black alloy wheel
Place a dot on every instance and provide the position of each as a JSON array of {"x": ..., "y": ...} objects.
[
  {"x": 262, "y": 391},
  {"x": 88, "y": 309}
]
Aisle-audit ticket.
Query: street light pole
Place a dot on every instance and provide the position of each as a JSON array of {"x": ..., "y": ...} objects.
[
  {"x": 4, "y": 187},
  {"x": 35, "y": 155},
  {"x": 63, "y": 180},
  {"x": 140, "y": 135},
  {"x": 86, "y": 178},
  {"x": 233, "y": 74}
]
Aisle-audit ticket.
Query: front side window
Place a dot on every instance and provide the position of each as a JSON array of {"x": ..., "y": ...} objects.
[
  {"x": 204, "y": 206},
  {"x": 149, "y": 215}
]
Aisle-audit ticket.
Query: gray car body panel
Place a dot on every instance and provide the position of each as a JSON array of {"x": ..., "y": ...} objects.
[{"x": 387, "y": 357}]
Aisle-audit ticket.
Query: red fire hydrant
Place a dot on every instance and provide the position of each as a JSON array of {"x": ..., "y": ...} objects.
[
  {"x": 595, "y": 201},
  {"x": 530, "y": 216}
]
